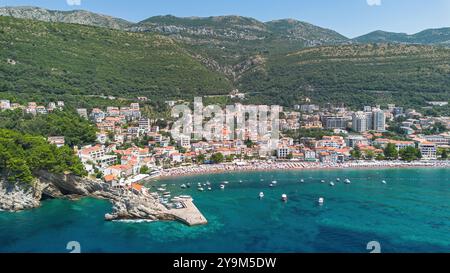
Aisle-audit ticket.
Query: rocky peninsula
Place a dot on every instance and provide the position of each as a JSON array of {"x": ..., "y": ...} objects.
[{"x": 127, "y": 204}]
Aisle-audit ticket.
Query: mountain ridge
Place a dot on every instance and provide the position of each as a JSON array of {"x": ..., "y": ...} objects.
[
  {"x": 432, "y": 36},
  {"x": 282, "y": 61},
  {"x": 81, "y": 17}
]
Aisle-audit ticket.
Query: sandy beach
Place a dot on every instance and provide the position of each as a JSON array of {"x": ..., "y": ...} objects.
[{"x": 273, "y": 166}]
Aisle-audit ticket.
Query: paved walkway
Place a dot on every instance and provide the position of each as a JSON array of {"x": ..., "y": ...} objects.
[{"x": 190, "y": 214}]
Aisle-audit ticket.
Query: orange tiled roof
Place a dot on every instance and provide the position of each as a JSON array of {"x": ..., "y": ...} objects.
[
  {"x": 109, "y": 178},
  {"x": 136, "y": 186}
]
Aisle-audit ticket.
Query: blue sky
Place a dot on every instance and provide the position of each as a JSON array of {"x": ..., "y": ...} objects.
[{"x": 349, "y": 17}]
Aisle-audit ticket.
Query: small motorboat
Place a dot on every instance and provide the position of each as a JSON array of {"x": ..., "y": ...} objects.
[
  {"x": 222, "y": 187},
  {"x": 201, "y": 189},
  {"x": 332, "y": 184},
  {"x": 384, "y": 182},
  {"x": 302, "y": 180},
  {"x": 271, "y": 185},
  {"x": 284, "y": 198},
  {"x": 161, "y": 189},
  {"x": 185, "y": 196},
  {"x": 226, "y": 182},
  {"x": 347, "y": 181},
  {"x": 209, "y": 189},
  {"x": 321, "y": 201},
  {"x": 240, "y": 181},
  {"x": 183, "y": 186},
  {"x": 261, "y": 195},
  {"x": 188, "y": 185},
  {"x": 274, "y": 182},
  {"x": 199, "y": 184},
  {"x": 322, "y": 181},
  {"x": 338, "y": 179},
  {"x": 208, "y": 183}
]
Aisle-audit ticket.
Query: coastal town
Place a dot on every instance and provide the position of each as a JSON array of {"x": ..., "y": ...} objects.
[
  {"x": 224, "y": 135},
  {"x": 132, "y": 148}
]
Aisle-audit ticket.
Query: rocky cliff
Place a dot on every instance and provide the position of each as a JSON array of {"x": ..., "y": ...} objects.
[
  {"x": 16, "y": 198},
  {"x": 126, "y": 204}
]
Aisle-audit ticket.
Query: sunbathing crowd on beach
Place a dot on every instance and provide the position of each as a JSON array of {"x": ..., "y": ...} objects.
[{"x": 268, "y": 166}]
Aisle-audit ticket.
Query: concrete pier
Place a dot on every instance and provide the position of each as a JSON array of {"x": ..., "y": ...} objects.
[{"x": 189, "y": 214}]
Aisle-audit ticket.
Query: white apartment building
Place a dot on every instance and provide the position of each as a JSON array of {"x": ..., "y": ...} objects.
[
  {"x": 428, "y": 150},
  {"x": 283, "y": 152},
  {"x": 184, "y": 141},
  {"x": 379, "y": 121},
  {"x": 359, "y": 122}
]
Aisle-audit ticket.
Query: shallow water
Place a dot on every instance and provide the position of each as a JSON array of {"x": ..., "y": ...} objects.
[{"x": 411, "y": 213}]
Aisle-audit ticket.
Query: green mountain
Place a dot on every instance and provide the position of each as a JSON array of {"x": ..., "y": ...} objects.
[
  {"x": 166, "y": 57},
  {"x": 73, "y": 17},
  {"x": 234, "y": 44},
  {"x": 296, "y": 31},
  {"x": 353, "y": 74},
  {"x": 61, "y": 59},
  {"x": 439, "y": 36},
  {"x": 230, "y": 45}
]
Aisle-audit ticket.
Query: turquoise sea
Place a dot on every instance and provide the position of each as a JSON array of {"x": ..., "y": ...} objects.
[{"x": 411, "y": 213}]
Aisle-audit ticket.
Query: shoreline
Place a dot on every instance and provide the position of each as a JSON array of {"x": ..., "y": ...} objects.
[{"x": 296, "y": 166}]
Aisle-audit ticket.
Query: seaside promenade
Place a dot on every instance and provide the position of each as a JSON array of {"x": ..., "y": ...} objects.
[
  {"x": 189, "y": 214},
  {"x": 269, "y": 166}
]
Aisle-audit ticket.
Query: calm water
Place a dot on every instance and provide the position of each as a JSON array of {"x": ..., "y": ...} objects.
[{"x": 411, "y": 213}]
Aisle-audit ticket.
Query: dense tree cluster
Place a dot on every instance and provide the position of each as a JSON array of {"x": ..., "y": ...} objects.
[
  {"x": 217, "y": 158},
  {"x": 22, "y": 155},
  {"x": 67, "y": 59},
  {"x": 76, "y": 130}
]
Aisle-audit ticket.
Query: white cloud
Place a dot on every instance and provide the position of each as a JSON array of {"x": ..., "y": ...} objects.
[
  {"x": 374, "y": 2},
  {"x": 73, "y": 2}
]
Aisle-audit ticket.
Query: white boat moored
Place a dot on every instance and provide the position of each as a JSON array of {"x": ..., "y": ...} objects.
[
  {"x": 384, "y": 182},
  {"x": 261, "y": 195},
  {"x": 321, "y": 200},
  {"x": 332, "y": 184},
  {"x": 347, "y": 181},
  {"x": 222, "y": 187},
  {"x": 284, "y": 198}
]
